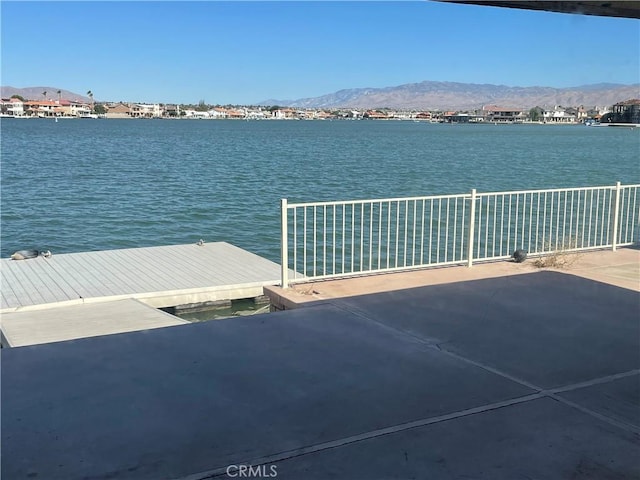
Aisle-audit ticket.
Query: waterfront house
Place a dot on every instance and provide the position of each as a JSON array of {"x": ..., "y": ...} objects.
[
  {"x": 13, "y": 107},
  {"x": 41, "y": 108},
  {"x": 191, "y": 113},
  {"x": 172, "y": 110},
  {"x": 627, "y": 111},
  {"x": 283, "y": 114},
  {"x": 559, "y": 115},
  {"x": 495, "y": 113},
  {"x": 375, "y": 115},
  {"x": 118, "y": 110},
  {"x": 143, "y": 110},
  {"x": 423, "y": 116}
]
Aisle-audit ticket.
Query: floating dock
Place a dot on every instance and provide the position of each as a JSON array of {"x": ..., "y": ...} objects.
[{"x": 41, "y": 296}]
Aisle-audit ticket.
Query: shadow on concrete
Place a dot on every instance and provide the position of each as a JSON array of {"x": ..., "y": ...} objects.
[{"x": 534, "y": 376}]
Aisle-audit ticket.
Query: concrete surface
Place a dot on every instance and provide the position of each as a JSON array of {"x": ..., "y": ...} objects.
[
  {"x": 530, "y": 376},
  {"x": 79, "y": 321},
  {"x": 620, "y": 268}
]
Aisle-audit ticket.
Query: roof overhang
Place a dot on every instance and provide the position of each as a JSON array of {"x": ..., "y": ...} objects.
[{"x": 628, "y": 9}]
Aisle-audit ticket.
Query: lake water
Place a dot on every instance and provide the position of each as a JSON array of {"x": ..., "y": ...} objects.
[{"x": 79, "y": 185}]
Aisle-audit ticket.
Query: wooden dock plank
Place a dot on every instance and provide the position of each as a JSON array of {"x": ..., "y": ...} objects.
[
  {"x": 74, "y": 266},
  {"x": 160, "y": 272},
  {"x": 123, "y": 279},
  {"x": 51, "y": 286},
  {"x": 22, "y": 285},
  {"x": 169, "y": 267}
]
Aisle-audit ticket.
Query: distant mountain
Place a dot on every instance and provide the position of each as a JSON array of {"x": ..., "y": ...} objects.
[
  {"x": 35, "y": 93},
  {"x": 430, "y": 95}
]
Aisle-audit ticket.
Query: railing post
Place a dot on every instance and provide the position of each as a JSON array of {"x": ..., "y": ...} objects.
[
  {"x": 616, "y": 209},
  {"x": 472, "y": 222},
  {"x": 284, "y": 245}
]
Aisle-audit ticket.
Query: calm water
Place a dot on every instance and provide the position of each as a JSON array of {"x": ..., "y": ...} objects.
[{"x": 79, "y": 185}]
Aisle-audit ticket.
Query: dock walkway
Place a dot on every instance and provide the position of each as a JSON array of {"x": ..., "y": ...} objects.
[{"x": 157, "y": 276}]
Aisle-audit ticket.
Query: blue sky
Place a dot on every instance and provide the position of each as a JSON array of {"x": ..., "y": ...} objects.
[{"x": 247, "y": 52}]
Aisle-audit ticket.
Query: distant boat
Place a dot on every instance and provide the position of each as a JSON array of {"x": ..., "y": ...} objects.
[{"x": 88, "y": 115}]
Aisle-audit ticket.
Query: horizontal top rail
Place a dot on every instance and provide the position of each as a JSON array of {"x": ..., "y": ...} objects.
[
  {"x": 459, "y": 195},
  {"x": 375, "y": 200}
]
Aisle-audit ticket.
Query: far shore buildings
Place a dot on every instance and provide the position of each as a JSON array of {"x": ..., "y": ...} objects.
[{"x": 623, "y": 112}]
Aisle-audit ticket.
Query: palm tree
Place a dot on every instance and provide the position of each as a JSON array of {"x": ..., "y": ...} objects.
[
  {"x": 59, "y": 95},
  {"x": 90, "y": 95},
  {"x": 44, "y": 94}
]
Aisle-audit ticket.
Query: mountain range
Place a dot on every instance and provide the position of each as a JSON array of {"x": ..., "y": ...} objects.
[
  {"x": 429, "y": 95},
  {"x": 35, "y": 93}
]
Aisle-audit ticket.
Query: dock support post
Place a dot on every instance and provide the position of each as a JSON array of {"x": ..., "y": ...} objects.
[
  {"x": 284, "y": 250},
  {"x": 472, "y": 222},
  {"x": 616, "y": 208}
]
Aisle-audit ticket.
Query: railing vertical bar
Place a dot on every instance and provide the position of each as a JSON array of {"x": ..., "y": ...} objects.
[
  {"x": 524, "y": 217},
  {"x": 564, "y": 220},
  {"x": 628, "y": 205},
  {"x": 406, "y": 220},
  {"x": 537, "y": 221},
  {"x": 571, "y": 220},
  {"x": 633, "y": 223},
  {"x": 462, "y": 235},
  {"x": 304, "y": 242},
  {"x": 353, "y": 236},
  {"x": 530, "y": 222},
  {"x": 472, "y": 222},
  {"x": 578, "y": 224},
  {"x": 602, "y": 219},
  {"x": 315, "y": 238},
  {"x": 370, "y": 235},
  {"x": 596, "y": 219},
  {"x": 362, "y": 236},
  {"x": 509, "y": 249},
  {"x": 446, "y": 232},
  {"x": 380, "y": 208},
  {"x": 590, "y": 220},
  {"x": 344, "y": 236},
  {"x": 413, "y": 241},
  {"x": 551, "y": 247},
  {"x": 515, "y": 223},
  {"x": 584, "y": 217},
  {"x": 558, "y": 223},
  {"x": 544, "y": 224},
  {"x": 388, "y": 232},
  {"x": 495, "y": 218},
  {"x": 422, "y": 234},
  {"x": 430, "y": 228},
  {"x": 397, "y": 233},
  {"x": 616, "y": 213},
  {"x": 324, "y": 240},
  {"x": 439, "y": 222},
  {"x": 502, "y": 223},
  {"x": 479, "y": 226},
  {"x": 486, "y": 228},
  {"x": 333, "y": 255},
  {"x": 295, "y": 242},
  {"x": 284, "y": 244},
  {"x": 455, "y": 228},
  {"x": 609, "y": 211}
]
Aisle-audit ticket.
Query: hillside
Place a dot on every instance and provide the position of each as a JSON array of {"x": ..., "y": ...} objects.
[
  {"x": 35, "y": 93},
  {"x": 430, "y": 95}
]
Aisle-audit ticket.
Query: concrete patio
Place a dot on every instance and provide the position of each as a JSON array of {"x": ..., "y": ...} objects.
[{"x": 494, "y": 372}]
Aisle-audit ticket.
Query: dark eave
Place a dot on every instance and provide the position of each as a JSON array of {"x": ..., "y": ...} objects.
[{"x": 628, "y": 9}]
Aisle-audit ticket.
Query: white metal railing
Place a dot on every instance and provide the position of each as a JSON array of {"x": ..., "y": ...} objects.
[{"x": 345, "y": 238}]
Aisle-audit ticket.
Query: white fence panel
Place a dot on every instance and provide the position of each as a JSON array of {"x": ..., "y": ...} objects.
[{"x": 335, "y": 239}]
